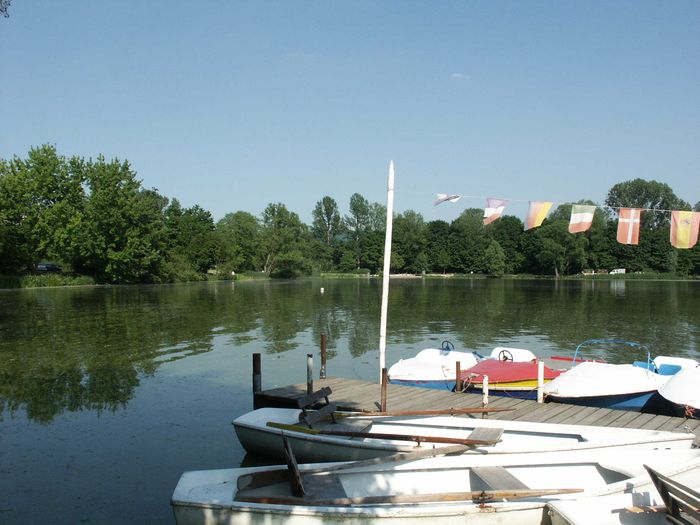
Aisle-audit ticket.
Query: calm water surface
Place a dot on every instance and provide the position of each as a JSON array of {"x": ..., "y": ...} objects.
[{"x": 108, "y": 394}]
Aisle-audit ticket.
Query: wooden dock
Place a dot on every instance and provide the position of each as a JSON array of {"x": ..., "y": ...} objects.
[{"x": 364, "y": 395}]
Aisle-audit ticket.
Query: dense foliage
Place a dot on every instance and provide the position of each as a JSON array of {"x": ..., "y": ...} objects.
[{"x": 95, "y": 218}]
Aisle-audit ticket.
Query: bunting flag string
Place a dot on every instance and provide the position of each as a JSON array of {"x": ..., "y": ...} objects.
[{"x": 685, "y": 225}]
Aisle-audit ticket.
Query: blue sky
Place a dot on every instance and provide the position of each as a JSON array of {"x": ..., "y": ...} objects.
[{"x": 232, "y": 105}]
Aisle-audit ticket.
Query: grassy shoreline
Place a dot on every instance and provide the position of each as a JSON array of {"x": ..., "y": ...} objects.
[{"x": 60, "y": 280}]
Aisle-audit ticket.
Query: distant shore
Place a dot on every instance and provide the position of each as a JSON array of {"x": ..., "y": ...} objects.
[{"x": 60, "y": 280}]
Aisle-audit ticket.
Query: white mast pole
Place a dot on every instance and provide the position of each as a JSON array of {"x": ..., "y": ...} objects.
[{"x": 385, "y": 274}]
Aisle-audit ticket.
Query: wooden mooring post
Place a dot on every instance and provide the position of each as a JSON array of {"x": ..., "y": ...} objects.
[
  {"x": 257, "y": 376},
  {"x": 322, "y": 373},
  {"x": 458, "y": 378},
  {"x": 309, "y": 374},
  {"x": 385, "y": 381},
  {"x": 485, "y": 394},
  {"x": 540, "y": 381}
]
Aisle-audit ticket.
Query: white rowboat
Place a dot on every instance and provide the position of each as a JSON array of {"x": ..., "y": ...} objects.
[
  {"x": 261, "y": 431},
  {"x": 637, "y": 503},
  {"x": 479, "y": 489}
]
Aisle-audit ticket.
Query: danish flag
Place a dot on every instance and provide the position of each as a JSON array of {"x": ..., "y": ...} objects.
[{"x": 628, "y": 226}]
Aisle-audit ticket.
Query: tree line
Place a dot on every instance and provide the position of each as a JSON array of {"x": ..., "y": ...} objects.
[{"x": 95, "y": 217}]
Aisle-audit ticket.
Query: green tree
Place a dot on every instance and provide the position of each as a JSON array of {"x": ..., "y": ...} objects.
[
  {"x": 357, "y": 226},
  {"x": 507, "y": 232},
  {"x": 123, "y": 236},
  {"x": 371, "y": 251},
  {"x": 654, "y": 251},
  {"x": 191, "y": 234},
  {"x": 494, "y": 259},
  {"x": 551, "y": 249},
  {"x": 41, "y": 203},
  {"x": 284, "y": 239},
  {"x": 327, "y": 230},
  {"x": 364, "y": 233},
  {"x": 410, "y": 242},
  {"x": 377, "y": 217},
  {"x": 327, "y": 222},
  {"x": 16, "y": 222},
  {"x": 4, "y": 8},
  {"x": 240, "y": 239},
  {"x": 600, "y": 243},
  {"x": 438, "y": 241},
  {"x": 650, "y": 195},
  {"x": 468, "y": 241}
]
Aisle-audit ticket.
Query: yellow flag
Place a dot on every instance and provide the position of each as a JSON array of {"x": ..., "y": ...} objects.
[
  {"x": 537, "y": 213},
  {"x": 684, "y": 228}
]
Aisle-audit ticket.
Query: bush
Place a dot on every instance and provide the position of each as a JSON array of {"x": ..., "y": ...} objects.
[{"x": 41, "y": 281}]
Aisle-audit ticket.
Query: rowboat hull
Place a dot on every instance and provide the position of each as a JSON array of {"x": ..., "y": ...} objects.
[
  {"x": 189, "y": 513},
  {"x": 431, "y": 368},
  {"x": 223, "y": 496},
  {"x": 658, "y": 404},
  {"x": 628, "y": 387},
  {"x": 508, "y": 378},
  {"x": 633, "y": 401},
  {"x": 604, "y": 385},
  {"x": 437, "y": 368},
  {"x": 635, "y": 504},
  {"x": 679, "y": 396},
  {"x": 259, "y": 438},
  {"x": 435, "y": 384}
]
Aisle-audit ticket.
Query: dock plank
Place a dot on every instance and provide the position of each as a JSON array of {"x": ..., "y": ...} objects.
[{"x": 364, "y": 395}]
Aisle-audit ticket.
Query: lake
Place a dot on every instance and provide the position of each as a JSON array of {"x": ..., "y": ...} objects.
[{"x": 107, "y": 394}]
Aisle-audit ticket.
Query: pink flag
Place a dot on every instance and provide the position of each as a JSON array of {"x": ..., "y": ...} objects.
[
  {"x": 494, "y": 209},
  {"x": 628, "y": 226},
  {"x": 537, "y": 213},
  {"x": 581, "y": 218}
]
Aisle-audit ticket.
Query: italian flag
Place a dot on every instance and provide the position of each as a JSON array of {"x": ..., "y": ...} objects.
[{"x": 581, "y": 218}]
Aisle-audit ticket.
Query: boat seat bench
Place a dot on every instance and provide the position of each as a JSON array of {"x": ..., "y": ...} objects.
[
  {"x": 498, "y": 478},
  {"x": 309, "y": 400},
  {"x": 312, "y": 486},
  {"x": 492, "y": 435},
  {"x": 306, "y": 402},
  {"x": 682, "y": 502},
  {"x": 323, "y": 486},
  {"x": 309, "y": 418}
]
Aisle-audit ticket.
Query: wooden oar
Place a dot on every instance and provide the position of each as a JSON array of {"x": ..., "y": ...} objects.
[
  {"x": 476, "y": 495},
  {"x": 279, "y": 475},
  {"x": 380, "y": 435},
  {"x": 442, "y": 412}
]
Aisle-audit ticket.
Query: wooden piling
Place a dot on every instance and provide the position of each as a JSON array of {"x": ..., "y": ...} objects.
[
  {"x": 458, "y": 378},
  {"x": 322, "y": 373},
  {"x": 309, "y": 374},
  {"x": 257, "y": 376},
  {"x": 485, "y": 394},
  {"x": 385, "y": 381},
  {"x": 540, "y": 381}
]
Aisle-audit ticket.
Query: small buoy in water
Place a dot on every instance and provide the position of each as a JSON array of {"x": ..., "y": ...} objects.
[{"x": 321, "y": 290}]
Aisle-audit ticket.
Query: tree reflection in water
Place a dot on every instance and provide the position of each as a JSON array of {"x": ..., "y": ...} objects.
[{"x": 88, "y": 348}]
